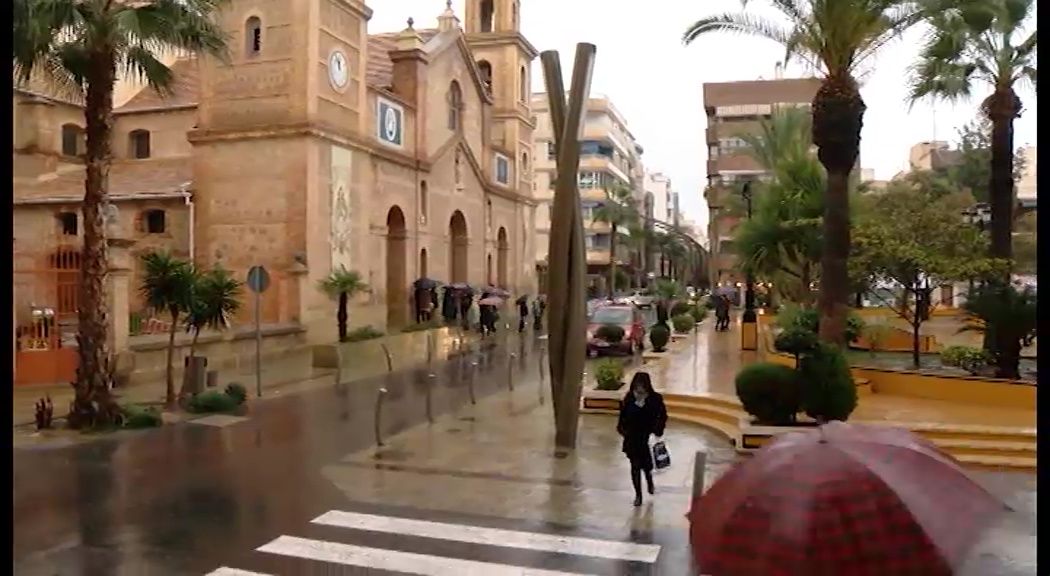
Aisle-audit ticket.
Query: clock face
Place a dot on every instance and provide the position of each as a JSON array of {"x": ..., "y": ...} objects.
[{"x": 338, "y": 69}]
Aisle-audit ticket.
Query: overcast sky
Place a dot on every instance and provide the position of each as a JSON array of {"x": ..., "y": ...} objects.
[{"x": 657, "y": 83}]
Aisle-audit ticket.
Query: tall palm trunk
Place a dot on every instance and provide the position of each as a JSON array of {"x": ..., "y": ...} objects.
[
  {"x": 612, "y": 261},
  {"x": 341, "y": 316},
  {"x": 838, "y": 116},
  {"x": 93, "y": 405}
]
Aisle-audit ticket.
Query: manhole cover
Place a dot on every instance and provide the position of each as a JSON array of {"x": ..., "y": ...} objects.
[{"x": 393, "y": 455}]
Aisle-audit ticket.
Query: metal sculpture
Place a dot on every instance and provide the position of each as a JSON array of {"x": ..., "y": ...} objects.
[{"x": 567, "y": 258}]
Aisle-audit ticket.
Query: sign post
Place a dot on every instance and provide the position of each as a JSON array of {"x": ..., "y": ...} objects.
[{"x": 258, "y": 282}]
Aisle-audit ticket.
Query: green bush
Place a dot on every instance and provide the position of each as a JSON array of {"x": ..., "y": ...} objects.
[
  {"x": 237, "y": 391},
  {"x": 420, "y": 326},
  {"x": 973, "y": 360},
  {"x": 683, "y": 323},
  {"x": 659, "y": 336},
  {"x": 698, "y": 313},
  {"x": 680, "y": 307},
  {"x": 796, "y": 341},
  {"x": 212, "y": 401},
  {"x": 809, "y": 319},
  {"x": 769, "y": 392},
  {"x": 608, "y": 373},
  {"x": 611, "y": 333},
  {"x": 142, "y": 417},
  {"x": 828, "y": 391},
  {"x": 363, "y": 333}
]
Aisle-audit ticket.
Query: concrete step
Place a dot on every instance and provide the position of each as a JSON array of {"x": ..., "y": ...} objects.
[
  {"x": 729, "y": 431},
  {"x": 981, "y": 447},
  {"x": 994, "y": 463}
]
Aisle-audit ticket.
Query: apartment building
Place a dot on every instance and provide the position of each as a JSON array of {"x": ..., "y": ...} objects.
[
  {"x": 734, "y": 109},
  {"x": 609, "y": 157},
  {"x": 661, "y": 197}
]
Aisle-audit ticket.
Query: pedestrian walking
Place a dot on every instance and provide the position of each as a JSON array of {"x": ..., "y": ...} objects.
[
  {"x": 523, "y": 311},
  {"x": 539, "y": 305},
  {"x": 721, "y": 304},
  {"x": 642, "y": 414}
]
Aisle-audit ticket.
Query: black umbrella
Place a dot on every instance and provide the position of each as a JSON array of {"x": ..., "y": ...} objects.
[
  {"x": 425, "y": 284},
  {"x": 460, "y": 286},
  {"x": 495, "y": 291}
]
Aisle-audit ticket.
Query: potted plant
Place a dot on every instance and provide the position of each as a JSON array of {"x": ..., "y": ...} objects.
[
  {"x": 770, "y": 393},
  {"x": 342, "y": 285},
  {"x": 659, "y": 336},
  {"x": 167, "y": 286},
  {"x": 683, "y": 323},
  {"x": 216, "y": 297},
  {"x": 608, "y": 375},
  {"x": 611, "y": 333}
]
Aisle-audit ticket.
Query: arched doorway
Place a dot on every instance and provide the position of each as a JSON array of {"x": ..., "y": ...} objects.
[
  {"x": 423, "y": 264},
  {"x": 457, "y": 248},
  {"x": 502, "y": 256},
  {"x": 488, "y": 271},
  {"x": 396, "y": 282}
]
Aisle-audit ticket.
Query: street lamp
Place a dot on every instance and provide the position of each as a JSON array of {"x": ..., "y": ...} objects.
[
  {"x": 748, "y": 328},
  {"x": 979, "y": 215}
]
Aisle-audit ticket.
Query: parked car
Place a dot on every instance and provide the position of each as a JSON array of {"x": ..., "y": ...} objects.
[
  {"x": 626, "y": 316},
  {"x": 642, "y": 299}
]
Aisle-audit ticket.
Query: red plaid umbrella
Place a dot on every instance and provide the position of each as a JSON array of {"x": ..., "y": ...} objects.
[{"x": 844, "y": 500}]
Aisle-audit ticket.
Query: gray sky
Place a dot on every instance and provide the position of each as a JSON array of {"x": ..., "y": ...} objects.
[{"x": 656, "y": 82}]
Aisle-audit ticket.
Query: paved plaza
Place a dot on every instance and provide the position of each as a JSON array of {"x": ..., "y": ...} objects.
[{"x": 300, "y": 487}]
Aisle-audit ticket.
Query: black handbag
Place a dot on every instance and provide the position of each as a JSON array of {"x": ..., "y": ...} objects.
[{"x": 661, "y": 457}]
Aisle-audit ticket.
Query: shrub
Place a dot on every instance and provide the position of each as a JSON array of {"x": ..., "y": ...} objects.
[
  {"x": 769, "y": 392},
  {"x": 828, "y": 391},
  {"x": 683, "y": 323},
  {"x": 608, "y": 374},
  {"x": 44, "y": 413},
  {"x": 698, "y": 313},
  {"x": 421, "y": 326},
  {"x": 237, "y": 391},
  {"x": 796, "y": 341},
  {"x": 809, "y": 319},
  {"x": 876, "y": 335},
  {"x": 363, "y": 333},
  {"x": 973, "y": 360},
  {"x": 680, "y": 307},
  {"x": 212, "y": 401},
  {"x": 611, "y": 333},
  {"x": 659, "y": 336},
  {"x": 142, "y": 417}
]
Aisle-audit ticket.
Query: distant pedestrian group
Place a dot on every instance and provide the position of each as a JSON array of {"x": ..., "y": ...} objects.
[{"x": 721, "y": 305}]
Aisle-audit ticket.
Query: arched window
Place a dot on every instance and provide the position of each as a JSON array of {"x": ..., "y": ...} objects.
[
  {"x": 488, "y": 215},
  {"x": 488, "y": 16},
  {"x": 455, "y": 107},
  {"x": 524, "y": 170},
  {"x": 72, "y": 135},
  {"x": 253, "y": 36},
  {"x": 154, "y": 221},
  {"x": 139, "y": 144},
  {"x": 523, "y": 85},
  {"x": 67, "y": 223},
  {"x": 424, "y": 202},
  {"x": 486, "y": 73}
]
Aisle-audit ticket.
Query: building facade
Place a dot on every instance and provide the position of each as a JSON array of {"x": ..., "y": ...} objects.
[
  {"x": 318, "y": 146},
  {"x": 733, "y": 109},
  {"x": 609, "y": 157}
]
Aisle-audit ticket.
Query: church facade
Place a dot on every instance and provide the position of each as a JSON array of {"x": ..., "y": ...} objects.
[{"x": 315, "y": 146}]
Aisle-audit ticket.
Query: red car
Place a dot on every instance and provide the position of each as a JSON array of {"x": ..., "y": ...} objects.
[{"x": 625, "y": 316}]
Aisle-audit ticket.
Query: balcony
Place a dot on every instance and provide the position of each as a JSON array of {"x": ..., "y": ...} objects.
[
  {"x": 596, "y": 194},
  {"x": 598, "y": 163},
  {"x": 598, "y": 257}
]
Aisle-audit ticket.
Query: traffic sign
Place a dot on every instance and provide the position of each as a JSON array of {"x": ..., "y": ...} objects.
[{"x": 258, "y": 279}]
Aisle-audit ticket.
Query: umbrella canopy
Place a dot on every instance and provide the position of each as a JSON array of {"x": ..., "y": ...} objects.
[
  {"x": 844, "y": 499},
  {"x": 496, "y": 291},
  {"x": 425, "y": 284},
  {"x": 460, "y": 286},
  {"x": 491, "y": 301}
]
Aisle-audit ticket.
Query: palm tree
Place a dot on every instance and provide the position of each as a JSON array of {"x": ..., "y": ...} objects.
[
  {"x": 983, "y": 41},
  {"x": 78, "y": 47},
  {"x": 834, "y": 36},
  {"x": 216, "y": 298},
  {"x": 620, "y": 210},
  {"x": 342, "y": 285},
  {"x": 167, "y": 286}
]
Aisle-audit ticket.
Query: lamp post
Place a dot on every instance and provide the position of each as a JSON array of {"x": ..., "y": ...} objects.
[
  {"x": 978, "y": 215},
  {"x": 748, "y": 327}
]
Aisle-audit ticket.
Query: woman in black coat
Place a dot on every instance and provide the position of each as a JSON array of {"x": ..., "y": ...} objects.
[{"x": 642, "y": 413}]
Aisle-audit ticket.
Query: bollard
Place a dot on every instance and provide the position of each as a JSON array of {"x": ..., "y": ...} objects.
[
  {"x": 338, "y": 366},
  {"x": 429, "y": 400},
  {"x": 378, "y": 416},
  {"x": 470, "y": 381},
  {"x": 430, "y": 347},
  {"x": 389, "y": 358},
  {"x": 699, "y": 469},
  {"x": 510, "y": 371}
]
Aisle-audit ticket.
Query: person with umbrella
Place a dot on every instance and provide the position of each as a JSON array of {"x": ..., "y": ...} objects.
[
  {"x": 487, "y": 308},
  {"x": 448, "y": 305},
  {"x": 423, "y": 299},
  {"x": 721, "y": 304},
  {"x": 539, "y": 305},
  {"x": 642, "y": 414},
  {"x": 523, "y": 311}
]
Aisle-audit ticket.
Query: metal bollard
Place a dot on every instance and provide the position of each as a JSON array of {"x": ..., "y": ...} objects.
[
  {"x": 430, "y": 347},
  {"x": 510, "y": 371},
  {"x": 379, "y": 416},
  {"x": 389, "y": 358},
  {"x": 338, "y": 366},
  {"x": 429, "y": 400},
  {"x": 699, "y": 470},
  {"x": 470, "y": 381}
]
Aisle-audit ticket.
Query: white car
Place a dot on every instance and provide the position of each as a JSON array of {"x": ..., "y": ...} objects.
[{"x": 642, "y": 299}]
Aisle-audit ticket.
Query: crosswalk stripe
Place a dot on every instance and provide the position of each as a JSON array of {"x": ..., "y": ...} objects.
[
  {"x": 224, "y": 571},
  {"x": 394, "y": 560},
  {"x": 577, "y": 546}
]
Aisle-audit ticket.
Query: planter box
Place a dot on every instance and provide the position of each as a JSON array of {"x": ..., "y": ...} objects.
[
  {"x": 368, "y": 357},
  {"x": 594, "y": 400},
  {"x": 754, "y": 436}
]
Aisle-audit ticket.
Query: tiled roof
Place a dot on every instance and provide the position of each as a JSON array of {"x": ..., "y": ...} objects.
[
  {"x": 380, "y": 71},
  {"x": 185, "y": 90},
  {"x": 153, "y": 176}
]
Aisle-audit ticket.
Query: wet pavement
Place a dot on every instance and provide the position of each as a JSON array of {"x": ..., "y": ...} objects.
[{"x": 299, "y": 487}]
